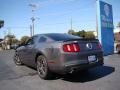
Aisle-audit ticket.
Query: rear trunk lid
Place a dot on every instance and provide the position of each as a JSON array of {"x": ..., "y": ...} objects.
[{"x": 86, "y": 44}]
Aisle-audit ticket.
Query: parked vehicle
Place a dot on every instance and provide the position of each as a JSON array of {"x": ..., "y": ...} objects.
[
  {"x": 117, "y": 41},
  {"x": 117, "y": 46},
  {"x": 59, "y": 53},
  {"x": 14, "y": 46}
]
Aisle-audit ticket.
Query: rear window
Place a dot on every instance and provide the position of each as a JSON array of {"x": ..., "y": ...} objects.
[
  {"x": 42, "y": 39},
  {"x": 62, "y": 37}
]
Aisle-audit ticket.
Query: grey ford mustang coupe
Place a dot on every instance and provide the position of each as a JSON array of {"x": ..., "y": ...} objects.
[{"x": 59, "y": 53}]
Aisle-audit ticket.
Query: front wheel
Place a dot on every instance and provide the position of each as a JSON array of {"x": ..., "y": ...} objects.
[
  {"x": 17, "y": 60},
  {"x": 42, "y": 68}
]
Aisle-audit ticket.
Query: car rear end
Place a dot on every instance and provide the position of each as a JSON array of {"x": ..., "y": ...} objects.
[
  {"x": 81, "y": 54},
  {"x": 74, "y": 53}
]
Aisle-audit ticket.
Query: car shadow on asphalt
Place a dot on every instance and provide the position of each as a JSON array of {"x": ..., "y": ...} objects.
[{"x": 90, "y": 75}]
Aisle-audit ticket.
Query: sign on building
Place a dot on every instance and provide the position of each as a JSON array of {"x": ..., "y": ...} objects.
[{"x": 105, "y": 26}]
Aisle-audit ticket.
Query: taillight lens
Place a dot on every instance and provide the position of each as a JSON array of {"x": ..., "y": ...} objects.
[
  {"x": 99, "y": 46},
  {"x": 74, "y": 47}
]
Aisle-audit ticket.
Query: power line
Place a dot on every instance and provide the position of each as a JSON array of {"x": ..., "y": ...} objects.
[{"x": 16, "y": 27}]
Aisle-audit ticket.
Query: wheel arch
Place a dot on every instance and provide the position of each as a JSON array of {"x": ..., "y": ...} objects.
[{"x": 38, "y": 54}]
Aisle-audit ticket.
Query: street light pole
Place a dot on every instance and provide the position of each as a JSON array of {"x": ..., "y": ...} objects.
[
  {"x": 71, "y": 24},
  {"x": 96, "y": 17},
  {"x": 30, "y": 30},
  {"x": 33, "y": 19},
  {"x": 34, "y": 6}
]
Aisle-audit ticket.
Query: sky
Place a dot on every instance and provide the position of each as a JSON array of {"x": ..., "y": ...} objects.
[{"x": 51, "y": 16}]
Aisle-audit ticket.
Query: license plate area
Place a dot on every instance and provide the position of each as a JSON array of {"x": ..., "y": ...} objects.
[{"x": 92, "y": 58}]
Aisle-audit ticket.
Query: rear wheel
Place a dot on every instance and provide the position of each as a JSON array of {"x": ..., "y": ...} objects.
[
  {"x": 17, "y": 60},
  {"x": 42, "y": 68}
]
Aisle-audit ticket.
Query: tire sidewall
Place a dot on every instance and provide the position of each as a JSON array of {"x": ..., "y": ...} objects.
[
  {"x": 46, "y": 71},
  {"x": 15, "y": 60}
]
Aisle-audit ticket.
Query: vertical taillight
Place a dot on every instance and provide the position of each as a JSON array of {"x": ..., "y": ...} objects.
[
  {"x": 99, "y": 46},
  {"x": 73, "y": 47}
]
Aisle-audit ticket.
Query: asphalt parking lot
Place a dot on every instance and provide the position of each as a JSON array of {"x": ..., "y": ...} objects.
[{"x": 14, "y": 77}]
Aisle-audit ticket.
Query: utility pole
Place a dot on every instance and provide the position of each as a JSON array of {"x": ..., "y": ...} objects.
[
  {"x": 33, "y": 6},
  {"x": 33, "y": 19},
  {"x": 30, "y": 30},
  {"x": 1, "y": 23},
  {"x": 71, "y": 23},
  {"x": 96, "y": 18}
]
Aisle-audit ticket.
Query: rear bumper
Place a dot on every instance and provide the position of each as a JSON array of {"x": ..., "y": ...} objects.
[
  {"x": 81, "y": 67},
  {"x": 78, "y": 67},
  {"x": 68, "y": 62}
]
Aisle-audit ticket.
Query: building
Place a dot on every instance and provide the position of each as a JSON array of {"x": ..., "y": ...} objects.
[
  {"x": 117, "y": 34},
  {"x": 1, "y": 41}
]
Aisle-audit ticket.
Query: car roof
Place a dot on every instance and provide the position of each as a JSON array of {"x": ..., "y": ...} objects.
[{"x": 50, "y": 34}]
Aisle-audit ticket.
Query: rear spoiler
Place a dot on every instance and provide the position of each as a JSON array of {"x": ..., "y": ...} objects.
[{"x": 81, "y": 39}]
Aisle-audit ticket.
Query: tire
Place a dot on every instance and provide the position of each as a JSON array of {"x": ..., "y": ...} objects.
[
  {"x": 17, "y": 60},
  {"x": 42, "y": 68}
]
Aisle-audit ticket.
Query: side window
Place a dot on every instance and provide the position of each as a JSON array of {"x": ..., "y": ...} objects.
[
  {"x": 30, "y": 41},
  {"x": 42, "y": 39}
]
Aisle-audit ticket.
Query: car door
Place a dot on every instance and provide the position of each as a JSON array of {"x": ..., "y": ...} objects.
[
  {"x": 30, "y": 52},
  {"x": 20, "y": 52}
]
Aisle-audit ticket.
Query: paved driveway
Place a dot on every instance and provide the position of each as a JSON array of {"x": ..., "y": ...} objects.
[{"x": 14, "y": 77}]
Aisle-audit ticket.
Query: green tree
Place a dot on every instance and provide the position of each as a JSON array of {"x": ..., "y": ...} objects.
[
  {"x": 89, "y": 35},
  {"x": 83, "y": 33},
  {"x": 79, "y": 33},
  {"x": 71, "y": 32},
  {"x": 9, "y": 36},
  {"x": 1, "y": 23},
  {"x": 118, "y": 25},
  {"x": 15, "y": 41},
  {"x": 10, "y": 39},
  {"x": 24, "y": 39}
]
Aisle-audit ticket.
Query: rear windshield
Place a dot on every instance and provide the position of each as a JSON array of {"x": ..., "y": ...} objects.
[{"x": 62, "y": 37}]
